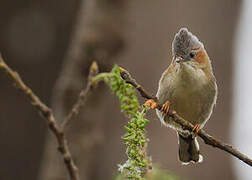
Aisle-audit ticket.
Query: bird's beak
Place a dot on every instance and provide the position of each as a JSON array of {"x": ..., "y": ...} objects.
[{"x": 178, "y": 59}]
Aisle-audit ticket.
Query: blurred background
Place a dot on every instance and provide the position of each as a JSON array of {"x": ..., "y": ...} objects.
[{"x": 51, "y": 45}]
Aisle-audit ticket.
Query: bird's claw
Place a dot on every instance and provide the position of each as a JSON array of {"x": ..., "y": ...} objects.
[
  {"x": 151, "y": 103},
  {"x": 196, "y": 129},
  {"x": 165, "y": 108}
]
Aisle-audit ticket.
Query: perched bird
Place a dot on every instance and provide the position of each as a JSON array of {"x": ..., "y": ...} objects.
[{"x": 187, "y": 86}]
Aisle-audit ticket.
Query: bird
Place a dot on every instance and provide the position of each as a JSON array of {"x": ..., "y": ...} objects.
[{"x": 188, "y": 86}]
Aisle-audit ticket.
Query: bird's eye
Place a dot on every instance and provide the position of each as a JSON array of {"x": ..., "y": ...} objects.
[{"x": 192, "y": 54}]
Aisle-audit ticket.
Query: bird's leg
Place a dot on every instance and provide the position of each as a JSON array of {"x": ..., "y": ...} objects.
[
  {"x": 165, "y": 108},
  {"x": 196, "y": 129},
  {"x": 151, "y": 103}
]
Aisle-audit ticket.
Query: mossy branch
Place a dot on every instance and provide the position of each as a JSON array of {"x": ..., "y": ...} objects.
[{"x": 138, "y": 162}]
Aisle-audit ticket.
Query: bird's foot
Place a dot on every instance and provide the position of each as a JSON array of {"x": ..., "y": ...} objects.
[
  {"x": 151, "y": 103},
  {"x": 196, "y": 129},
  {"x": 165, "y": 108}
]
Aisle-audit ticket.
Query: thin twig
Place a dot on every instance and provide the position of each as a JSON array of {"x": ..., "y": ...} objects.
[
  {"x": 208, "y": 139},
  {"x": 48, "y": 115},
  {"x": 93, "y": 71}
]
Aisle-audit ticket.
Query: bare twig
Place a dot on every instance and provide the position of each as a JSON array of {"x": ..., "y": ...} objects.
[
  {"x": 208, "y": 139},
  {"x": 48, "y": 115},
  {"x": 93, "y": 71}
]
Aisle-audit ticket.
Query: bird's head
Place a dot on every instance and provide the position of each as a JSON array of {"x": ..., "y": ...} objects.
[{"x": 187, "y": 48}]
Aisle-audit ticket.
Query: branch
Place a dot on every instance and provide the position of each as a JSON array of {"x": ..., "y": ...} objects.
[
  {"x": 93, "y": 71},
  {"x": 208, "y": 139},
  {"x": 48, "y": 115}
]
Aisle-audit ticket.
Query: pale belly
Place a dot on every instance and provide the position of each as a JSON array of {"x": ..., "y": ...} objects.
[{"x": 192, "y": 97}]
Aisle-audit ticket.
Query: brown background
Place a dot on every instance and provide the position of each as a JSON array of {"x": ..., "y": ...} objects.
[{"x": 34, "y": 38}]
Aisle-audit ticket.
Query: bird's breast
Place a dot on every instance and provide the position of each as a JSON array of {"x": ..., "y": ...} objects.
[{"x": 191, "y": 93}]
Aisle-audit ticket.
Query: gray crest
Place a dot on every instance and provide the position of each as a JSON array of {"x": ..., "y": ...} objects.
[{"x": 184, "y": 42}]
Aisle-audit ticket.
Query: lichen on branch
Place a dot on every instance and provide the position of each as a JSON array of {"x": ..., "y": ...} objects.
[{"x": 135, "y": 139}]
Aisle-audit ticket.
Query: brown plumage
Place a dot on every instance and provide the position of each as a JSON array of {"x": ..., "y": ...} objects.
[{"x": 190, "y": 87}]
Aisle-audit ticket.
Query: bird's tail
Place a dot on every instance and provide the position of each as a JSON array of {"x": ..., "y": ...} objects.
[{"x": 189, "y": 150}]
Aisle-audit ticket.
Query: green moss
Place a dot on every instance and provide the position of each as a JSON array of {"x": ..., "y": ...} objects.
[
  {"x": 155, "y": 174},
  {"x": 135, "y": 138}
]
